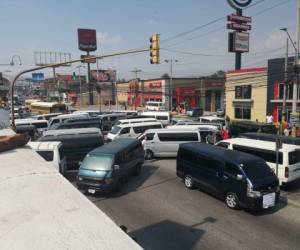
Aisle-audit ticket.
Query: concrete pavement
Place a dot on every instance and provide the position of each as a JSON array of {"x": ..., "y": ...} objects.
[{"x": 162, "y": 214}]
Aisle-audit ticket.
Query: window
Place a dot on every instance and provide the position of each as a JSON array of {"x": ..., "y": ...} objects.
[
  {"x": 223, "y": 144},
  {"x": 231, "y": 169},
  {"x": 139, "y": 130},
  {"x": 178, "y": 136},
  {"x": 243, "y": 92},
  {"x": 41, "y": 125},
  {"x": 150, "y": 136},
  {"x": 294, "y": 157},
  {"x": 47, "y": 155},
  {"x": 125, "y": 131},
  {"x": 242, "y": 113},
  {"x": 208, "y": 164},
  {"x": 267, "y": 155},
  {"x": 162, "y": 117}
]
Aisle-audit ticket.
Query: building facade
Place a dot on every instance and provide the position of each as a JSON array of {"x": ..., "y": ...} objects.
[
  {"x": 187, "y": 93},
  {"x": 246, "y": 94}
]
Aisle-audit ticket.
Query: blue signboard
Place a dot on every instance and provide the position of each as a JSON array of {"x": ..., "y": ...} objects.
[{"x": 37, "y": 77}]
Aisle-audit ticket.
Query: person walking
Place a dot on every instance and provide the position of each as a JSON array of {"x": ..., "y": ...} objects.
[
  {"x": 286, "y": 131},
  {"x": 269, "y": 119}
]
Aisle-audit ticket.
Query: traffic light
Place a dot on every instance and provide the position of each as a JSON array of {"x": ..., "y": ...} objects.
[{"x": 154, "y": 49}]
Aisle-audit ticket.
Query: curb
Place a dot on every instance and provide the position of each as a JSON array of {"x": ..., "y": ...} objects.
[{"x": 289, "y": 202}]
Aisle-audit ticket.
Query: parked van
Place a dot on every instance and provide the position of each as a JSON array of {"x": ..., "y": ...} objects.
[
  {"x": 217, "y": 126},
  {"x": 238, "y": 127},
  {"x": 132, "y": 130},
  {"x": 109, "y": 120},
  {"x": 241, "y": 179},
  {"x": 79, "y": 123},
  {"x": 76, "y": 143},
  {"x": 214, "y": 119},
  {"x": 62, "y": 118},
  {"x": 271, "y": 137},
  {"x": 91, "y": 113},
  {"x": 165, "y": 142},
  {"x": 52, "y": 152},
  {"x": 106, "y": 168},
  {"x": 163, "y": 117},
  {"x": 136, "y": 120},
  {"x": 288, "y": 157},
  {"x": 155, "y": 106},
  {"x": 40, "y": 125}
]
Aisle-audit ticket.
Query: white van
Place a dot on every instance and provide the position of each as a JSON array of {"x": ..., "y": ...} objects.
[
  {"x": 165, "y": 142},
  {"x": 163, "y": 117},
  {"x": 62, "y": 118},
  {"x": 132, "y": 130},
  {"x": 40, "y": 125},
  {"x": 51, "y": 152},
  {"x": 289, "y": 155},
  {"x": 136, "y": 120},
  {"x": 155, "y": 106}
]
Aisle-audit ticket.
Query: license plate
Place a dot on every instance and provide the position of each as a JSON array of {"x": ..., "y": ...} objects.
[
  {"x": 91, "y": 191},
  {"x": 269, "y": 200}
]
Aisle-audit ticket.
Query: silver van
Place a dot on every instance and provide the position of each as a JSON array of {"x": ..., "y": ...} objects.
[{"x": 165, "y": 142}]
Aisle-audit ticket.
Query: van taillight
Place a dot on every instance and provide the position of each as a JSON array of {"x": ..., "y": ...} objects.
[{"x": 286, "y": 172}]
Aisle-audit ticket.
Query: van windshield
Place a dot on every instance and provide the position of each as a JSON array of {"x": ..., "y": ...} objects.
[
  {"x": 99, "y": 162},
  {"x": 115, "y": 130},
  {"x": 257, "y": 169}
]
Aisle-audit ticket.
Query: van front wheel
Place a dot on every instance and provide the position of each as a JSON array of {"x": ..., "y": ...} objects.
[
  {"x": 148, "y": 154},
  {"x": 188, "y": 182},
  {"x": 231, "y": 200}
]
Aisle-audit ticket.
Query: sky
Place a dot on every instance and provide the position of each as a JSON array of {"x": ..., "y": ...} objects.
[{"x": 200, "y": 48}]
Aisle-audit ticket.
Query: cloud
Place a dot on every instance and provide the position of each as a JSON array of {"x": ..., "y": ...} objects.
[
  {"x": 153, "y": 22},
  {"x": 275, "y": 39},
  {"x": 105, "y": 38}
]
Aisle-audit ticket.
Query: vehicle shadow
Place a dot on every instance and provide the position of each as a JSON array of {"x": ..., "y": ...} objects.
[
  {"x": 292, "y": 187},
  {"x": 168, "y": 234}
]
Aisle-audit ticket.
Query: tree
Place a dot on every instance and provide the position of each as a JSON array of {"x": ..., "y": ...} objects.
[{"x": 165, "y": 76}]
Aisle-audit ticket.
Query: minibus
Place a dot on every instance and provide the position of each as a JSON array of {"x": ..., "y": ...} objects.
[
  {"x": 288, "y": 156},
  {"x": 155, "y": 106},
  {"x": 106, "y": 168},
  {"x": 240, "y": 179},
  {"x": 163, "y": 117},
  {"x": 165, "y": 142},
  {"x": 132, "y": 130}
]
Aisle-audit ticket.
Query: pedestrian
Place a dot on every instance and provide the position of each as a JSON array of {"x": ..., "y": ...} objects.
[
  {"x": 224, "y": 133},
  {"x": 293, "y": 131},
  {"x": 269, "y": 119},
  {"x": 144, "y": 141},
  {"x": 286, "y": 131}
]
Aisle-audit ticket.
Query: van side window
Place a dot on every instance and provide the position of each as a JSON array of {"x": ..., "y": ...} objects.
[
  {"x": 139, "y": 130},
  {"x": 209, "y": 164},
  {"x": 150, "y": 136},
  {"x": 178, "y": 136},
  {"x": 162, "y": 118},
  {"x": 223, "y": 144},
  {"x": 267, "y": 155},
  {"x": 47, "y": 155},
  {"x": 125, "y": 131},
  {"x": 232, "y": 169}
]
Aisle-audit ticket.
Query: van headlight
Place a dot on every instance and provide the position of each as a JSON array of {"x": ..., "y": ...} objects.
[{"x": 251, "y": 193}]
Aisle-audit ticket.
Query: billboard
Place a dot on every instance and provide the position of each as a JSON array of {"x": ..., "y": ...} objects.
[
  {"x": 37, "y": 77},
  {"x": 42, "y": 58},
  {"x": 103, "y": 75},
  {"x": 87, "y": 40},
  {"x": 240, "y": 42}
]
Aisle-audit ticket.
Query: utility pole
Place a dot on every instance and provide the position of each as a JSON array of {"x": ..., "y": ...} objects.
[
  {"x": 283, "y": 117},
  {"x": 171, "y": 83},
  {"x": 136, "y": 71},
  {"x": 295, "y": 86}
]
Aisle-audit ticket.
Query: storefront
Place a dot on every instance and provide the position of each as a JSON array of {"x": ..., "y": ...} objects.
[{"x": 188, "y": 97}]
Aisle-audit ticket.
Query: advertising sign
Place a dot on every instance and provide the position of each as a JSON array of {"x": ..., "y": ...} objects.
[
  {"x": 86, "y": 59},
  {"x": 103, "y": 75},
  {"x": 238, "y": 26},
  {"x": 239, "y": 4},
  {"x": 37, "y": 77},
  {"x": 236, "y": 18},
  {"x": 240, "y": 42},
  {"x": 87, "y": 40}
]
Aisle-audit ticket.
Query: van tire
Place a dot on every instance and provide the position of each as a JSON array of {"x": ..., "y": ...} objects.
[
  {"x": 148, "y": 154},
  {"x": 137, "y": 170},
  {"x": 189, "y": 182},
  {"x": 232, "y": 200}
]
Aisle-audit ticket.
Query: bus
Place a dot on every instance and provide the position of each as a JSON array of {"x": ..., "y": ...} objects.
[
  {"x": 48, "y": 107},
  {"x": 28, "y": 102}
]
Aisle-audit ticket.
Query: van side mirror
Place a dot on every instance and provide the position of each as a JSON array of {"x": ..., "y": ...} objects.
[
  {"x": 116, "y": 167},
  {"x": 239, "y": 177}
]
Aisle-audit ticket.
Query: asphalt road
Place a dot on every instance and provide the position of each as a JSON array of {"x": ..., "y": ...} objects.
[{"x": 162, "y": 214}]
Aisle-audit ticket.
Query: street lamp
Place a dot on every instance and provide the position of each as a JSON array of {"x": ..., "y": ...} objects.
[
  {"x": 295, "y": 84},
  {"x": 79, "y": 67},
  {"x": 12, "y": 63},
  {"x": 171, "y": 81}
]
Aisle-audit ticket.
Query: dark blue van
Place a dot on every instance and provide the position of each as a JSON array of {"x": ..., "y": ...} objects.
[
  {"x": 241, "y": 179},
  {"x": 106, "y": 168}
]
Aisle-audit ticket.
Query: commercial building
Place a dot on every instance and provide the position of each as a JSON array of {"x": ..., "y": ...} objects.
[
  {"x": 186, "y": 92},
  {"x": 246, "y": 94}
]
